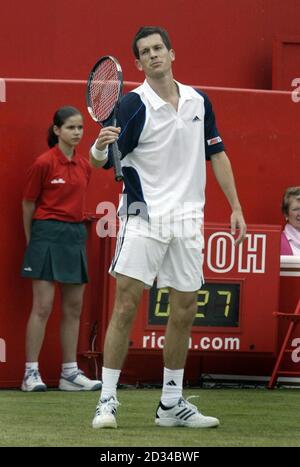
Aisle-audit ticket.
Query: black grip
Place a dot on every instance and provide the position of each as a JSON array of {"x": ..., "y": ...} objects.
[
  {"x": 117, "y": 162},
  {"x": 116, "y": 154}
]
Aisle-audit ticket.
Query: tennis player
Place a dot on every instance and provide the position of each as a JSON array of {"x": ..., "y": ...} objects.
[
  {"x": 53, "y": 214},
  {"x": 166, "y": 131}
]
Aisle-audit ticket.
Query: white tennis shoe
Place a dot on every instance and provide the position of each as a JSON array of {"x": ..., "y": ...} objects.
[
  {"x": 33, "y": 382},
  {"x": 106, "y": 411},
  {"x": 78, "y": 382},
  {"x": 183, "y": 414}
]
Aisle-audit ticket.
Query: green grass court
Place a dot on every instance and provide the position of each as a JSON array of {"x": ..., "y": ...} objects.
[{"x": 249, "y": 417}]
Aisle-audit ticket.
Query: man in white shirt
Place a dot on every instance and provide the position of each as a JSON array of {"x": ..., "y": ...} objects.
[{"x": 165, "y": 133}]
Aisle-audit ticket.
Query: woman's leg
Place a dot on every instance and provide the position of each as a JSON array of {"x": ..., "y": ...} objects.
[
  {"x": 43, "y": 296},
  {"x": 71, "y": 378},
  {"x": 71, "y": 298}
]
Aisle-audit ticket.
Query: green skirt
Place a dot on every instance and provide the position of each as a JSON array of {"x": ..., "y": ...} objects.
[{"x": 56, "y": 252}]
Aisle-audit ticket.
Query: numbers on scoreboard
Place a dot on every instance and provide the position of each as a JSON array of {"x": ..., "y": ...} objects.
[
  {"x": 218, "y": 305},
  {"x": 204, "y": 301}
]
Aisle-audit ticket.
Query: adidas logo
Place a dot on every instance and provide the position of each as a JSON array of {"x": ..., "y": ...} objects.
[
  {"x": 28, "y": 268},
  {"x": 196, "y": 119},
  {"x": 171, "y": 383}
]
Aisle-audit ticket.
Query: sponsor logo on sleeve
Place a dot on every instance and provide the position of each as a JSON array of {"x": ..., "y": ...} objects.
[{"x": 213, "y": 141}]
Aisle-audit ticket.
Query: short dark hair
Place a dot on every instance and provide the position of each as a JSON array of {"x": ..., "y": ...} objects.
[
  {"x": 146, "y": 31},
  {"x": 291, "y": 191}
]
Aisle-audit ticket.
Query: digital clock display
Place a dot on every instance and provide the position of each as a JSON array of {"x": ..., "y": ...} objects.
[{"x": 218, "y": 305}]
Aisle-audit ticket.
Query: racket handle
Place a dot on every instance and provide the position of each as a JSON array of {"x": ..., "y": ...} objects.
[{"x": 117, "y": 162}]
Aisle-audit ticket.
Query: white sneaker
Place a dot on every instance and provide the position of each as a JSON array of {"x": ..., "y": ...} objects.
[
  {"x": 32, "y": 382},
  {"x": 78, "y": 382},
  {"x": 106, "y": 411},
  {"x": 183, "y": 414}
]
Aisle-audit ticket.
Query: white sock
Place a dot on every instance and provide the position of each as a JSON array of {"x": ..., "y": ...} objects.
[
  {"x": 110, "y": 380},
  {"x": 172, "y": 387},
  {"x": 31, "y": 366},
  {"x": 67, "y": 369}
]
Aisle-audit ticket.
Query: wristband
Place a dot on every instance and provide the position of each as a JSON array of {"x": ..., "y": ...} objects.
[{"x": 99, "y": 155}]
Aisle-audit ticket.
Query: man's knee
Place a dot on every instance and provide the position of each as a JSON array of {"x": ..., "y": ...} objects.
[
  {"x": 183, "y": 316},
  {"x": 124, "y": 310},
  {"x": 127, "y": 300}
]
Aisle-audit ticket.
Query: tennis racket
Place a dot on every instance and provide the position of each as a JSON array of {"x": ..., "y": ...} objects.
[{"x": 104, "y": 89}]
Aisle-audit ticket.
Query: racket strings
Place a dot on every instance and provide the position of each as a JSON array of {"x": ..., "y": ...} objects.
[{"x": 104, "y": 89}]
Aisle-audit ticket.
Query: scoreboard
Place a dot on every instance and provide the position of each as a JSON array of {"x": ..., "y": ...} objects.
[{"x": 218, "y": 305}]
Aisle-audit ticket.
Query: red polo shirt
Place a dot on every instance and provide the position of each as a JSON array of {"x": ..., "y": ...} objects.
[{"x": 58, "y": 186}]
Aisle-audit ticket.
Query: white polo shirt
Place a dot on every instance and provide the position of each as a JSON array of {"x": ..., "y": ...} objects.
[{"x": 164, "y": 153}]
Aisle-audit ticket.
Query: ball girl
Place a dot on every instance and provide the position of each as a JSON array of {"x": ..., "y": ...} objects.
[{"x": 53, "y": 214}]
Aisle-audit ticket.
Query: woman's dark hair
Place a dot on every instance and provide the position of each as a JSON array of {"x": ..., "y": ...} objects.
[
  {"x": 59, "y": 118},
  {"x": 146, "y": 31}
]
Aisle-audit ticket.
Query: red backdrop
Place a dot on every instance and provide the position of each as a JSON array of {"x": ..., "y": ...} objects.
[
  {"x": 260, "y": 130},
  {"x": 219, "y": 43}
]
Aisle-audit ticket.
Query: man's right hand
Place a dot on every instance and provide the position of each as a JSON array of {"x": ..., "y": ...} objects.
[{"x": 107, "y": 135}]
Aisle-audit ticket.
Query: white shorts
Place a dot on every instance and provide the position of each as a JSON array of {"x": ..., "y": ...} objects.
[{"x": 172, "y": 254}]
